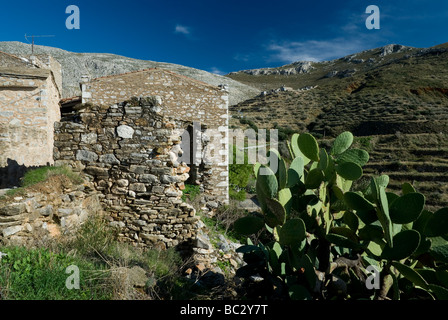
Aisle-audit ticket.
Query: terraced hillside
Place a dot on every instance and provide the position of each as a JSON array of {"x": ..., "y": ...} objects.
[
  {"x": 420, "y": 159},
  {"x": 297, "y": 110},
  {"x": 396, "y": 103}
]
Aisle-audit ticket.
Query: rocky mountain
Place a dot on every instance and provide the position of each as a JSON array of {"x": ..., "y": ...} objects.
[
  {"x": 305, "y": 67},
  {"x": 75, "y": 65},
  {"x": 293, "y": 68},
  {"x": 306, "y": 73}
]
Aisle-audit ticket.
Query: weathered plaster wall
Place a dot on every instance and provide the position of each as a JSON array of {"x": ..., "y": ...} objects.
[
  {"x": 46, "y": 61},
  {"x": 29, "y": 106}
]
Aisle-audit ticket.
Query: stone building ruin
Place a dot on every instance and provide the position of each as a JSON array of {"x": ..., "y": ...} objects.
[
  {"x": 130, "y": 134},
  {"x": 138, "y": 137},
  {"x": 203, "y": 108}
]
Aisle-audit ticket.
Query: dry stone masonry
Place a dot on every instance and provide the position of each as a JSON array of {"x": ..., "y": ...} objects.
[
  {"x": 183, "y": 98},
  {"x": 129, "y": 151},
  {"x": 43, "y": 214}
]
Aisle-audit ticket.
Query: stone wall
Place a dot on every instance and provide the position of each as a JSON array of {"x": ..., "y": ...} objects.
[
  {"x": 130, "y": 152},
  {"x": 48, "y": 211},
  {"x": 182, "y": 98}
]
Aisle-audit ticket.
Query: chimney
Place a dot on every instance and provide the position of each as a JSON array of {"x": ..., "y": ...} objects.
[
  {"x": 85, "y": 79},
  {"x": 33, "y": 60}
]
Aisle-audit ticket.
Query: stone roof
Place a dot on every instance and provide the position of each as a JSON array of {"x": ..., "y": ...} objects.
[
  {"x": 31, "y": 67},
  {"x": 181, "y": 77},
  {"x": 71, "y": 99},
  {"x": 8, "y": 60},
  {"x": 25, "y": 72}
]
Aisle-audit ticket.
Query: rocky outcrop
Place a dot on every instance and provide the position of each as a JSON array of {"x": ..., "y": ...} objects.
[
  {"x": 353, "y": 59},
  {"x": 392, "y": 48},
  {"x": 341, "y": 74},
  {"x": 299, "y": 67}
]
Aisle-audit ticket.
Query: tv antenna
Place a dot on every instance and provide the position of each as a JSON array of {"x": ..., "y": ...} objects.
[{"x": 32, "y": 39}]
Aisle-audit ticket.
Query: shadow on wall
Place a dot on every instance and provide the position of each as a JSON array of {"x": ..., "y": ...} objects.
[{"x": 12, "y": 174}]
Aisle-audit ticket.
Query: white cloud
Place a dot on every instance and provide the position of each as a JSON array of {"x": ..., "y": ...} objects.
[
  {"x": 354, "y": 37},
  {"x": 241, "y": 57},
  {"x": 314, "y": 50},
  {"x": 182, "y": 29},
  {"x": 217, "y": 71}
]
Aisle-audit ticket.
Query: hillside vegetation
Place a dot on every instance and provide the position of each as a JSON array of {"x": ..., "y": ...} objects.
[{"x": 394, "y": 99}]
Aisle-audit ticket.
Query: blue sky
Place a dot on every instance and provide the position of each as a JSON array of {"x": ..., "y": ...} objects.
[{"x": 230, "y": 35}]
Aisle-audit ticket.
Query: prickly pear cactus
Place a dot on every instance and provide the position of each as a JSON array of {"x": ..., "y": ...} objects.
[{"x": 328, "y": 241}]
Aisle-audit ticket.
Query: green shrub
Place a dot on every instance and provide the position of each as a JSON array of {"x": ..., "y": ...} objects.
[
  {"x": 283, "y": 132},
  {"x": 38, "y": 175},
  {"x": 39, "y": 274},
  {"x": 239, "y": 176},
  {"x": 249, "y": 122},
  {"x": 41, "y": 174},
  {"x": 190, "y": 192},
  {"x": 166, "y": 268},
  {"x": 94, "y": 240},
  {"x": 237, "y": 195},
  {"x": 223, "y": 220},
  {"x": 365, "y": 143}
]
